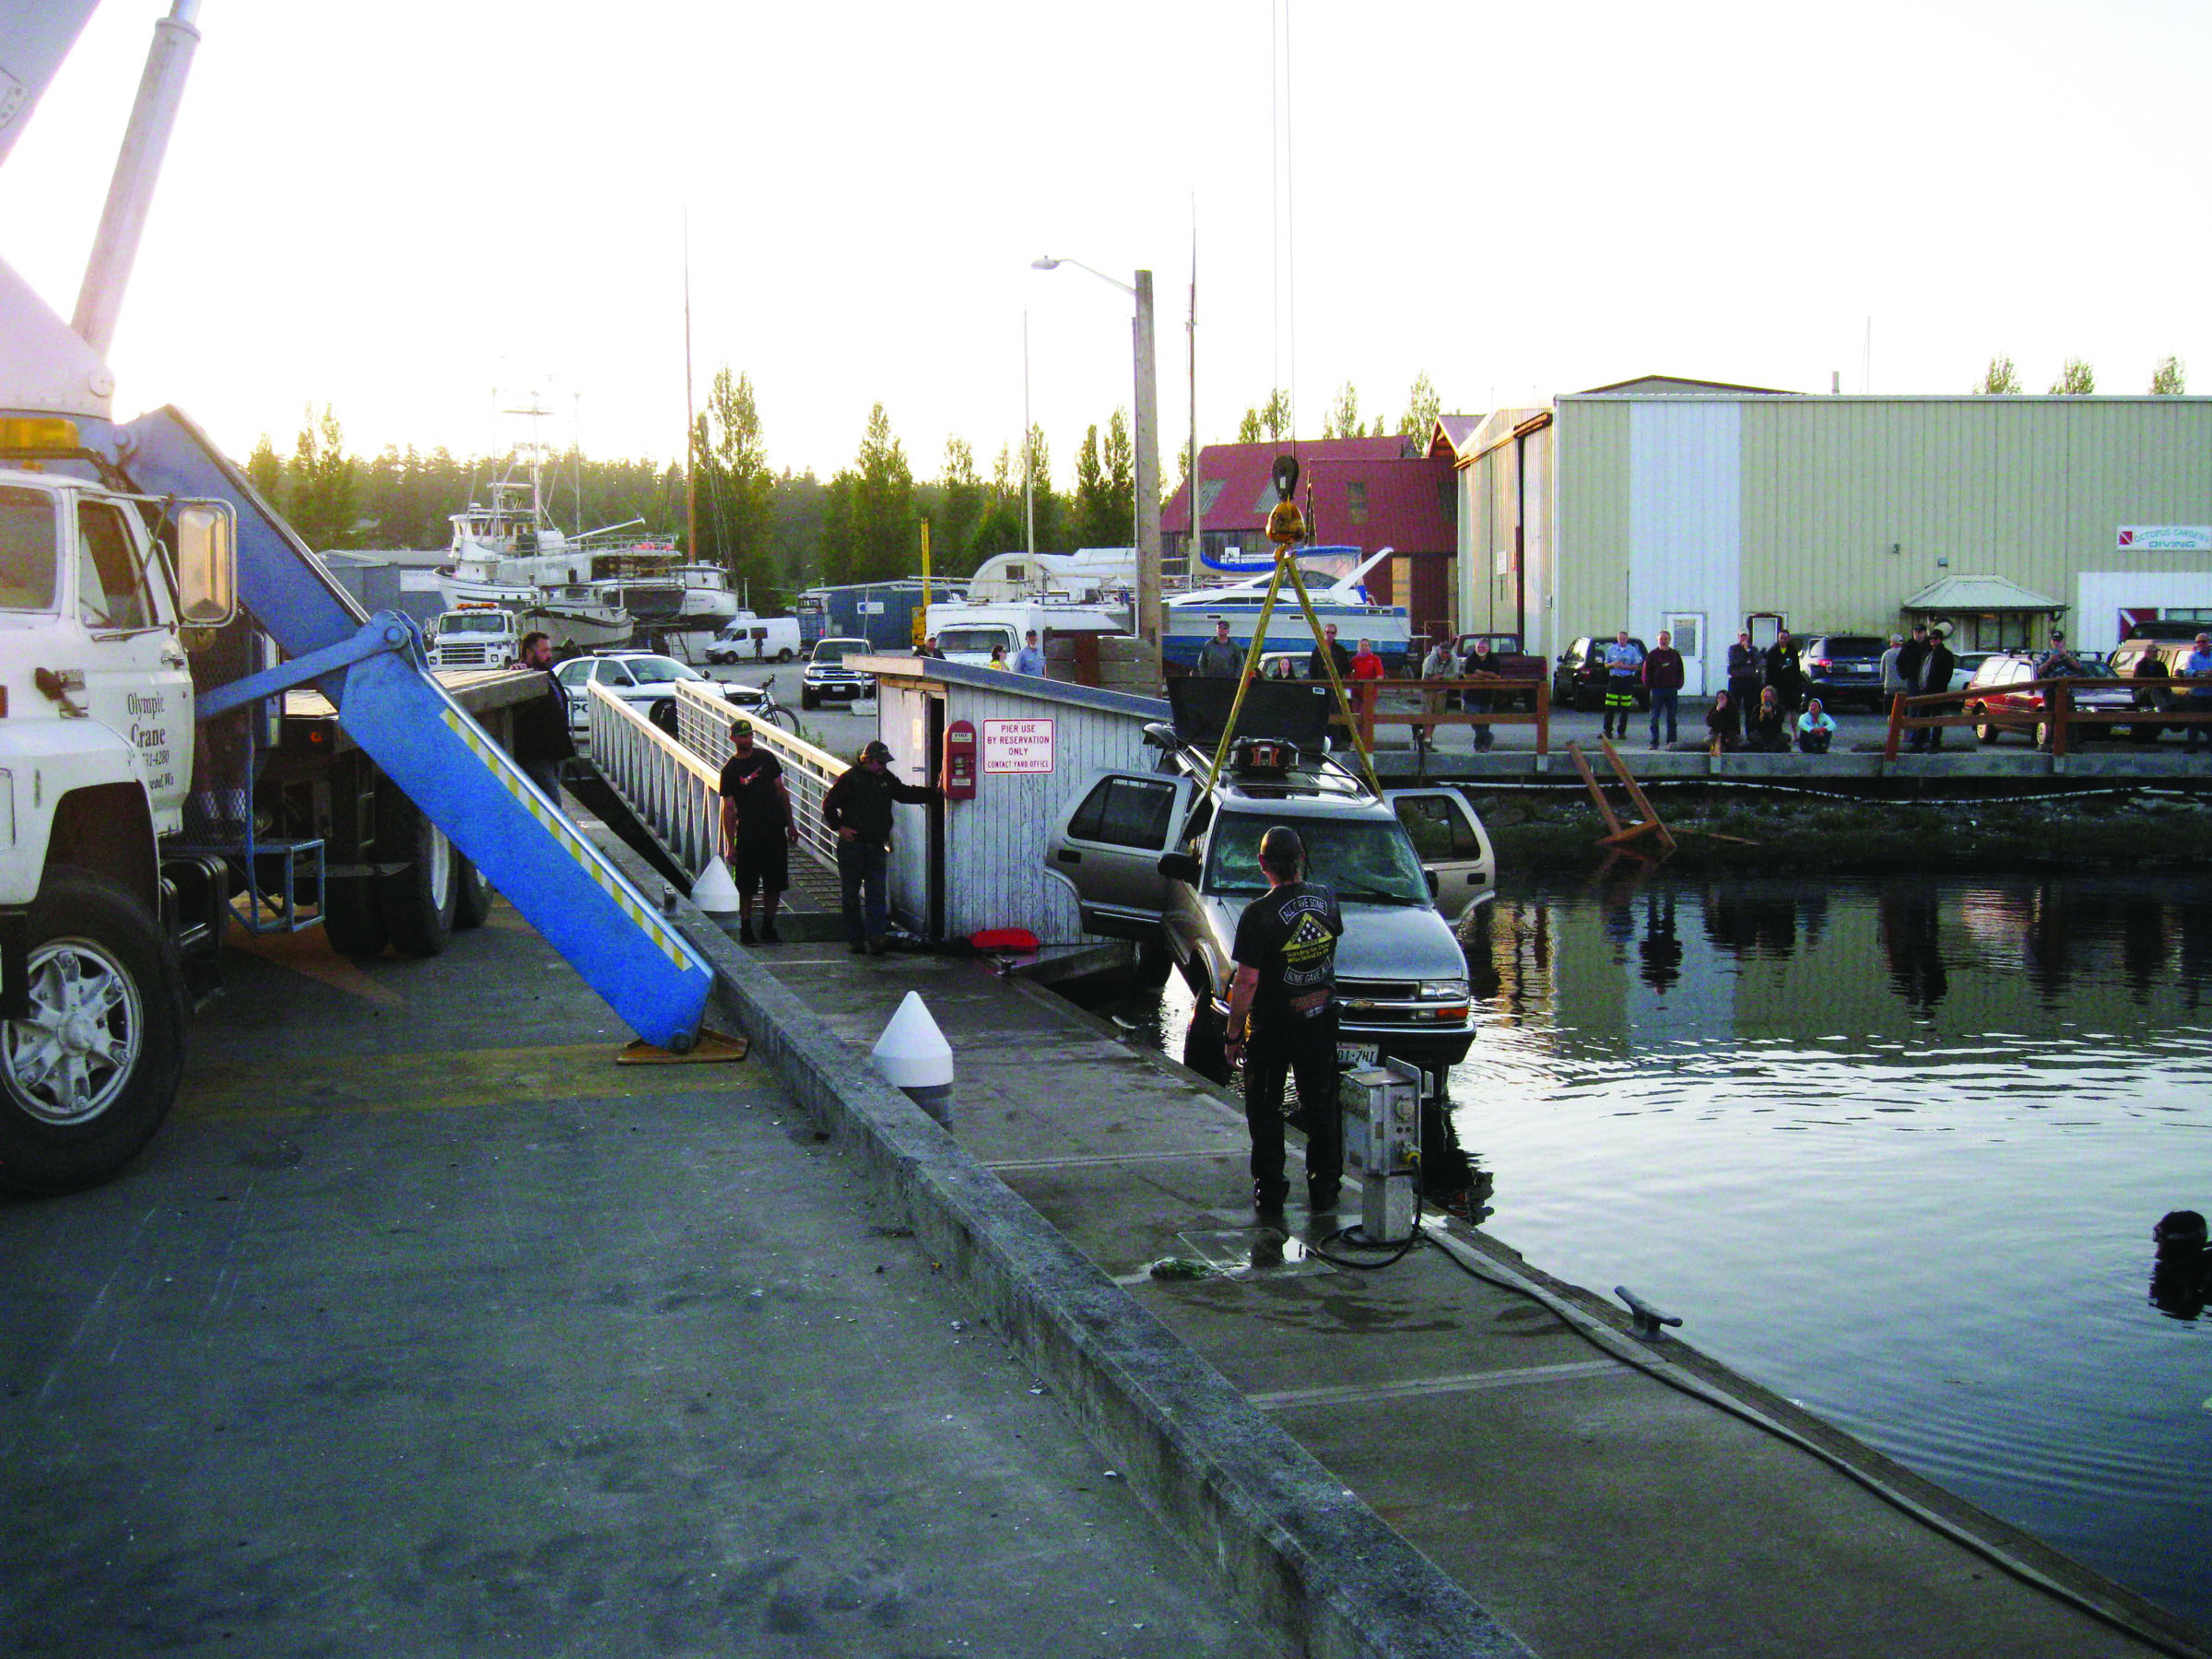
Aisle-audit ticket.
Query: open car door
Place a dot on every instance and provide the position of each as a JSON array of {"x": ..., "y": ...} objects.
[
  {"x": 1451, "y": 842},
  {"x": 1107, "y": 851}
]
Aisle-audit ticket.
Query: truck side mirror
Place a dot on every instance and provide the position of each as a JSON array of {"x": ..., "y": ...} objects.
[
  {"x": 1180, "y": 866},
  {"x": 206, "y": 564},
  {"x": 1434, "y": 886}
]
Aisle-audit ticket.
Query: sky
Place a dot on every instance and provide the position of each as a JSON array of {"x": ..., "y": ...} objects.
[{"x": 421, "y": 213}]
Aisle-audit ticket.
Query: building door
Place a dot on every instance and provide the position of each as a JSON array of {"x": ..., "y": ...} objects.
[{"x": 1689, "y": 628}]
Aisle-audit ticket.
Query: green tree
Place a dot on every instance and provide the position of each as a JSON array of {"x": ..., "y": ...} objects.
[
  {"x": 322, "y": 504},
  {"x": 1000, "y": 530},
  {"x": 1422, "y": 406},
  {"x": 1045, "y": 505},
  {"x": 1343, "y": 418},
  {"x": 2166, "y": 380},
  {"x": 736, "y": 488},
  {"x": 2000, "y": 379},
  {"x": 2076, "y": 380},
  {"x": 1097, "y": 514},
  {"x": 1268, "y": 422},
  {"x": 1120, "y": 478},
  {"x": 265, "y": 471},
  {"x": 959, "y": 511},
  {"x": 868, "y": 529}
]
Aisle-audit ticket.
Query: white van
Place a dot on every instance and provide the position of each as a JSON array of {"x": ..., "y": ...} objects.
[
  {"x": 965, "y": 633},
  {"x": 746, "y": 638}
]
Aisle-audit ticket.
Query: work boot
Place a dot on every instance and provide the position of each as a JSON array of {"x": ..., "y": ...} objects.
[
  {"x": 745, "y": 933},
  {"x": 1267, "y": 1201},
  {"x": 769, "y": 936},
  {"x": 878, "y": 945},
  {"x": 1322, "y": 1197}
]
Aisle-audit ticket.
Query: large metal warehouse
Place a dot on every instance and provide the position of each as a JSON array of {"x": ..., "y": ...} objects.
[{"x": 1691, "y": 506}]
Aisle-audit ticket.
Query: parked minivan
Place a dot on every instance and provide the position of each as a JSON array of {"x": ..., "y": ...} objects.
[{"x": 1158, "y": 857}]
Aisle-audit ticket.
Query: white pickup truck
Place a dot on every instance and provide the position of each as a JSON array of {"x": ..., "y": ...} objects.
[{"x": 482, "y": 637}]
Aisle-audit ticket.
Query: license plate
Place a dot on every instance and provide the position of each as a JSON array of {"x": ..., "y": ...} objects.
[{"x": 1356, "y": 1053}]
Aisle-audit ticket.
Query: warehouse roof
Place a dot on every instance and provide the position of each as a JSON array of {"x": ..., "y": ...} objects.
[{"x": 1979, "y": 593}]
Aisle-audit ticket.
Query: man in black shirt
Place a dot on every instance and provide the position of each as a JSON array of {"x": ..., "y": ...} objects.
[
  {"x": 757, "y": 830},
  {"x": 858, "y": 809},
  {"x": 541, "y": 725},
  {"x": 1337, "y": 655},
  {"x": 1282, "y": 1017}
]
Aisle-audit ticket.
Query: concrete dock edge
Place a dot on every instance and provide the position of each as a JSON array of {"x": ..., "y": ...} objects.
[{"x": 1294, "y": 1548}]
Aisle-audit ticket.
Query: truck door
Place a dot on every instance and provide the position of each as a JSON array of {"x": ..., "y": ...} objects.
[
  {"x": 1107, "y": 851},
  {"x": 136, "y": 681},
  {"x": 1451, "y": 842}
]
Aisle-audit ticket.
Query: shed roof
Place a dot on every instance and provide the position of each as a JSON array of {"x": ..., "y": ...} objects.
[
  {"x": 1453, "y": 433},
  {"x": 1979, "y": 593},
  {"x": 1662, "y": 384},
  {"x": 1240, "y": 478}
]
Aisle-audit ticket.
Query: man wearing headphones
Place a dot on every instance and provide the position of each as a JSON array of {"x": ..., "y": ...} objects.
[{"x": 1282, "y": 1020}]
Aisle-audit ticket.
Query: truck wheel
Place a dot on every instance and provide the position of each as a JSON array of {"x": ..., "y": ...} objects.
[
  {"x": 807, "y": 700},
  {"x": 87, "y": 1078},
  {"x": 419, "y": 902},
  {"x": 472, "y": 906},
  {"x": 783, "y": 655}
]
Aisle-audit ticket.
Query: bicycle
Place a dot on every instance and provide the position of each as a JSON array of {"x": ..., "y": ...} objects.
[{"x": 767, "y": 708}]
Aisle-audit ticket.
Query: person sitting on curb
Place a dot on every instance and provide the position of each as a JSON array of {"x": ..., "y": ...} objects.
[
  {"x": 1719, "y": 724},
  {"x": 1770, "y": 733},
  {"x": 1815, "y": 729}
]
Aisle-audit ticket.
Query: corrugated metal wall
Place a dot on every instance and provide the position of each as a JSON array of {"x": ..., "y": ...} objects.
[{"x": 2030, "y": 488}]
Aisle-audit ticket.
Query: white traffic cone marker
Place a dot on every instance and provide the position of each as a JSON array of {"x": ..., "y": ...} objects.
[
  {"x": 714, "y": 892},
  {"x": 912, "y": 1055}
]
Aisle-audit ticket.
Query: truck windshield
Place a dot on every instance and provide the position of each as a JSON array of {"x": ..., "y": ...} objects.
[
  {"x": 1366, "y": 861},
  {"x": 837, "y": 651},
  {"x": 976, "y": 639},
  {"x": 28, "y": 559},
  {"x": 483, "y": 622}
]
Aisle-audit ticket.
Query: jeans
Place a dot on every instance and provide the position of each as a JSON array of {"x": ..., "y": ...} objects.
[
  {"x": 1312, "y": 1058},
  {"x": 546, "y": 774},
  {"x": 1662, "y": 700},
  {"x": 863, "y": 866}
]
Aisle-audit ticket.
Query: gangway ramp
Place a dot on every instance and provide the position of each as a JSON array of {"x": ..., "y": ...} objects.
[{"x": 373, "y": 671}]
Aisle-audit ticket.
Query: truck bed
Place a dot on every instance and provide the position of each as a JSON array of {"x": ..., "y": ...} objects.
[{"x": 480, "y": 690}]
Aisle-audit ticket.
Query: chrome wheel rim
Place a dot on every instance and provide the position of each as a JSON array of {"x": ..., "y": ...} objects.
[
  {"x": 441, "y": 868},
  {"x": 69, "y": 1061}
]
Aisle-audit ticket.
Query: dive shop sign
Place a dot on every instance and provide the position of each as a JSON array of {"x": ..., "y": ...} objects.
[
  {"x": 2166, "y": 538},
  {"x": 1018, "y": 745}
]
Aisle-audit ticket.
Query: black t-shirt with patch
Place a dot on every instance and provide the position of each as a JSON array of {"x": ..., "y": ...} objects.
[
  {"x": 749, "y": 781},
  {"x": 1290, "y": 936}
]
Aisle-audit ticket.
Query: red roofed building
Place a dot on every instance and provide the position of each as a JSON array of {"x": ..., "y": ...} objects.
[{"x": 1362, "y": 493}]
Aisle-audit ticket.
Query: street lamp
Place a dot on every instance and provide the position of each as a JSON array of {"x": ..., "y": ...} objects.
[{"x": 1147, "y": 446}]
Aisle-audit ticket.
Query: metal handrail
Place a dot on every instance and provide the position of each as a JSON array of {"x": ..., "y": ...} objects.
[
  {"x": 675, "y": 795},
  {"x": 702, "y": 723}
]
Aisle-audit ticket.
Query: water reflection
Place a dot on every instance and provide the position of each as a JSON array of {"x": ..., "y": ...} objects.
[
  {"x": 2181, "y": 1274},
  {"x": 1912, "y": 941}
]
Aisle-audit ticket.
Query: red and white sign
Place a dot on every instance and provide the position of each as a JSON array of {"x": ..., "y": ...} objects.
[{"x": 1018, "y": 745}]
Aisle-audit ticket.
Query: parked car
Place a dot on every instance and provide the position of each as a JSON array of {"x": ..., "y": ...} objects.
[
  {"x": 1965, "y": 666},
  {"x": 1579, "y": 680},
  {"x": 827, "y": 679},
  {"x": 1508, "y": 662},
  {"x": 1996, "y": 707},
  {"x": 1841, "y": 668},
  {"x": 1156, "y": 857},
  {"x": 642, "y": 679}
]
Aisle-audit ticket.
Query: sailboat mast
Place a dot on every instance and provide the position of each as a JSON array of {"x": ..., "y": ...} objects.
[{"x": 690, "y": 419}]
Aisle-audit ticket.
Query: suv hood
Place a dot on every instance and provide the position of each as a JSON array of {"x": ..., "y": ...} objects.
[{"x": 1380, "y": 941}]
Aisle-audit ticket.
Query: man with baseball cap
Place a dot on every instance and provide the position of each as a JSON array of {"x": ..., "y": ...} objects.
[
  {"x": 858, "y": 811},
  {"x": 757, "y": 830}
]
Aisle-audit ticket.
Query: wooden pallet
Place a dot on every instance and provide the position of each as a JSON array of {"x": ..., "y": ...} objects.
[{"x": 1618, "y": 834}]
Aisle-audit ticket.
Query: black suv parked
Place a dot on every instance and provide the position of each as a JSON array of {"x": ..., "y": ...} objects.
[
  {"x": 1579, "y": 680},
  {"x": 1841, "y": 667}
]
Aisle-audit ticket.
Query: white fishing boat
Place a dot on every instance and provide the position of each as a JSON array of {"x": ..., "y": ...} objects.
[
  {"x": 510, "y": 553},
  {"x": 1188, "y": 618},
  {"x": 676, "y": 604}
]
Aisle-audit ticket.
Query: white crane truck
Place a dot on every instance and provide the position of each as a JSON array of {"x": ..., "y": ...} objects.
[{"x": 199, "y": 727}]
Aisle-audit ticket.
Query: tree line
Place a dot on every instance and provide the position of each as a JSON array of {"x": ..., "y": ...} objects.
[{"x": 2076, "y": 379}]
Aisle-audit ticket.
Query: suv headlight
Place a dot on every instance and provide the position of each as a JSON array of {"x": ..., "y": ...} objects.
[{"x": 1444, "y": 990}]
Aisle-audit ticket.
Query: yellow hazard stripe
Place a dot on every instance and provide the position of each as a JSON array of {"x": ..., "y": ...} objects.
[{"x": 587, "y": 857}]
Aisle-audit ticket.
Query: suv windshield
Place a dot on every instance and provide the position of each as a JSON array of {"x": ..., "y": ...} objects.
[
  {"x": 28, "y": 562},
  {"x": 837, "y": 651},
  {"x": 1364, "y": 860}
]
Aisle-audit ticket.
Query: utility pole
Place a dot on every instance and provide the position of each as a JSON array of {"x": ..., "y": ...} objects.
[
  {"x": 1147, "y": 470},
  {"x": 1029, "y": 448}
]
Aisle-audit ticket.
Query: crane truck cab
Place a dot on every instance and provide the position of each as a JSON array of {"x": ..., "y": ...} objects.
[
  {"x": 105, "y": 943},
  {"x": 1170, "y": 860}
]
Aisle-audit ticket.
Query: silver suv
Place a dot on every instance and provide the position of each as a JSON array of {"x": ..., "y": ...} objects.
[{"x": 1158, "y": 858}]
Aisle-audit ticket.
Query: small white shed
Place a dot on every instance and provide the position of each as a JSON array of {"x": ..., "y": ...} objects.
[{"x": 963, "y": 865}]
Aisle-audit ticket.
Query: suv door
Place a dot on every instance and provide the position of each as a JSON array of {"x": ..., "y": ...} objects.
[
  {"x": 1451, "y": 842},
  {"x": 1107, "y": 851}
]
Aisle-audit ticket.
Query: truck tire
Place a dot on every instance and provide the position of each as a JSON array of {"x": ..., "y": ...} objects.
[
  {"x": 783, "y": 655},
  {"x": 1203, "y": 1050},
  {"x": 87, "y": 1078},
  {"x": 419, "y": 902},
  {"x": 472, "y": 902}
]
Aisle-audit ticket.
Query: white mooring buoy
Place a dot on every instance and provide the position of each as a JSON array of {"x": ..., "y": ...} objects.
[
  {"x": 714, "y": 892},
  {"x": 912, "y": 1055}
]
